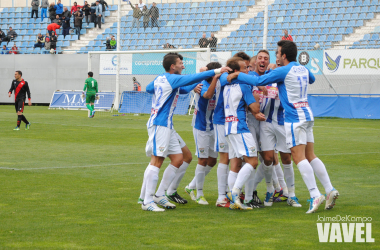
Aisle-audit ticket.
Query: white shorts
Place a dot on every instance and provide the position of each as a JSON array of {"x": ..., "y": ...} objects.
[
  {"x": 299, "y": 133},
  {"x": 254, "y": 128},
  {"x": 162, "y": 142},
  {"x": 182, "y": 143},
  {"x": 204, "y": 142},
  {"x": 272, "y": 136},
  {"x": 221, "y": 144},
  {"x": 241, "y": 145}
]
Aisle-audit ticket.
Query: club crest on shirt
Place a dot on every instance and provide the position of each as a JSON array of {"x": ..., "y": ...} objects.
[
  {"x": 221, "y": 145},
  {"x": 202, "y": 150},
  {"x": 162, "y": 149},
  {"x": 252, "y": 149}
]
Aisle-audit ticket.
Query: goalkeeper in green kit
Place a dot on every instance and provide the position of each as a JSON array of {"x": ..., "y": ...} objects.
[{"x": 91, "y": 85}]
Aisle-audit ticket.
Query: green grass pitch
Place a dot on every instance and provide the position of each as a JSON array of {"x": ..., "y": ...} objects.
[{"x": 71, "y": 182}]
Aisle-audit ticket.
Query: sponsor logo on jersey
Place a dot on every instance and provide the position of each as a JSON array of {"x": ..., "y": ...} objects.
[
  {"x": 232, "y": 119},
  {"x": 211, "y": 105},
  {"x": 332, "y": 65},
  {"x": 154, "y": 111},
  {"x": 175, "y": 100},
  {"x": 195, "y": 111},
  {"x": 301, "y": 105}
]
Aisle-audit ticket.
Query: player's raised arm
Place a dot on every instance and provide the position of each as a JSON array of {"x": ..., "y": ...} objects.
[
  {"x": 208, "y": 91},
  {"x": 187, "y": 89}
]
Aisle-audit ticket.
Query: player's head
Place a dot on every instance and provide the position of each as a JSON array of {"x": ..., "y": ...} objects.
[
  {"x": 90, "y": 74},
  {"x": 18, "y": 74},
  {"x": 286, "y": 52},
  {"x": 243, "y": 56},
  {"x": 252, "y": 64},
  {"x": 262, "y": 61},
  {"x": 237, "y": 64},
  {"x": 173, "y": 63},
  {"x": 212, "y": 65}
]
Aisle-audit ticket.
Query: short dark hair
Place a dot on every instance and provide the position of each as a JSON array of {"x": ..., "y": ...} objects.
[
  {"x": 288, "y": 48},
  {"x": 90, "y": 74},
  {"x": 175, "y": 53},
  {"x": 243, "y": 56},
  {"x": 263, "y": 50},
  {"x": 169, "y": 60},
  {"x": 19, "y": 72},
  {"x": 233, "y": 63},
  {"x": 212, "y": 65}
]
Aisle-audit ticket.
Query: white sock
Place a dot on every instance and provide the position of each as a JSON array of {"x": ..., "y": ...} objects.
[
  {"x": 167, "y": 179},
  {"x": 151, "y": 183},
  {"x": 276, "y": 184},
  {"x": 268, "y": 171},
  {"x": 243, "y": 175},
  {"x": 259, "y": 176},
  {"x": 193, "y": 183},
  {"x": 200, "y": 179},
  {"x": 232, "y": 179},
  {"x": 222, "y": 180},
  {"x": 207, "y": 170},
  {"x": 307, "y": 174},
  {"x": 322, "y": 175},
  {"x": 143, "y": 187},
  {"x": 280, "y": 178},
  {"x": 289, "y": 177},
  {"x": 249, "y": 186},
  {"x": 178, "y": 178}
]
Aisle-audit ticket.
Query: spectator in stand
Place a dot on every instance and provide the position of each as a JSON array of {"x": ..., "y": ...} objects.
[
  {"x": 35, "y": 4},
  {"x": 44, "y": 5},
  {"x": 203, "y": 42},
  {"x": 74, "y": 9},
  {"x": 57, "y": 20},
  {"x": 141, "y": 5},
  {"x": 14, "y": 50},
  {"x": 213, "y": 41},
  {"x": 166, "y": 46},
  {"x": 136, "y": 85},
  {"x": 3, "y": 36},
  {"x": 78, "y": 23},
  {"x": 66, "y": 13},
  {"x": 287, "y": 36},
  {"x": 65, "y": 21},
  {"x": 146, "y": 14},
  {"x": 47, "y": 43},
  {"x": 154, "y": 15},
  {"x": 93, "y": 15},
  {"x": 52, "y": 14},
  {"x": 87, "y": 11},
  {"x": 52, "y": 28},
  {"x": 99, "y": 14},
  {"x": 136, "y": 15},
  {"x": 113, "y": 43},
  {"x": 104, "y": 5},
  {"x": 108, "y": 43},
  {"x": 4, "y": 50},
  {"x": 53, "y": 41},
  {"x": 40, "y": 41},
  {"x": 58, "y": 8},
  {"x": 11, "y": 34}
]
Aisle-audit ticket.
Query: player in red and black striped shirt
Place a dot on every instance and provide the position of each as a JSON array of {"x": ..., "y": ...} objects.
[{"x": 21, "y": 88}]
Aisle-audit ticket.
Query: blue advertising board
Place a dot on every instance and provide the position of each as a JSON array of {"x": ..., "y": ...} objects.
[{"x": 74, "y": 100}]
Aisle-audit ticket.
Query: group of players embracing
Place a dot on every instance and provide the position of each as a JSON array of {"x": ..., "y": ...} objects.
[{"x": 248, "y": 111}]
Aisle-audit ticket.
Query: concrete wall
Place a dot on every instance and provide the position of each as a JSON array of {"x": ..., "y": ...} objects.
[{"x": 44, "y": 73}]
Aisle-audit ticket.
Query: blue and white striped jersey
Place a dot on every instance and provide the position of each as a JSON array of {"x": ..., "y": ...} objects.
[
  {"x": 218, "y": 117},
  {"x": 166, "y": 91},
  {"x": 292, "y": 81},
  {"x": 204, "y": 109},
  {"x": 236, "y": 99}
]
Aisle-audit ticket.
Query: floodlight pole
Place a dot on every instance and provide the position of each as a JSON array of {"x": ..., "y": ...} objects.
[
  {"x": 117, "y": 90},
  {"x": 265, "y": 25}
]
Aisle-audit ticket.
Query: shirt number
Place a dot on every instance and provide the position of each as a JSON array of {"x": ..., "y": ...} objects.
[{"x": 303, "y": 86}]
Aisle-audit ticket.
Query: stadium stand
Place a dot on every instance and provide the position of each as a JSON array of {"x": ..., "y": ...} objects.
[{"x": 325, "y": 22}]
